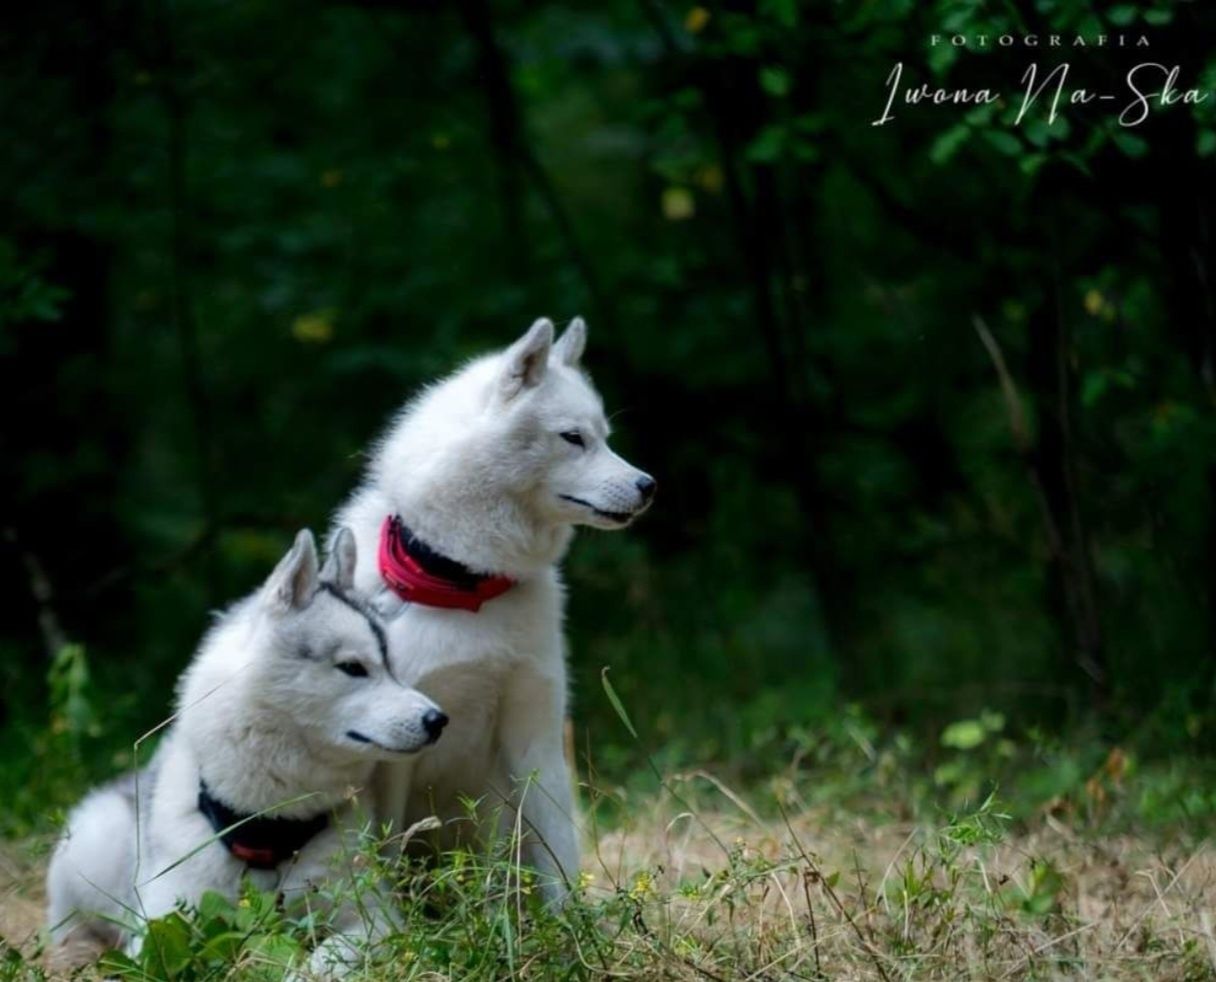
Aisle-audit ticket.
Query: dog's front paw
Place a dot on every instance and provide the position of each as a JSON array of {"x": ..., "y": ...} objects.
[{"x": 334, "y": 958}]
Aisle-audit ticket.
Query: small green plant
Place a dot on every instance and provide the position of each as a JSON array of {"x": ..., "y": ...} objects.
[
  {"x": 15, "y": 967},
  {"x": 1041, "y": 893},
  {"x": 72, "y": 716},
  {"x": 53, "y": 767},
  {"x": 984, "y": 825},
  {"x": 978, "y": 752},
  {"x": 208, "y": 941}
]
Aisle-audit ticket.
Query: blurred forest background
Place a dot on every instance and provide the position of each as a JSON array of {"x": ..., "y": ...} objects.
[{"x": 930, "y": 404}]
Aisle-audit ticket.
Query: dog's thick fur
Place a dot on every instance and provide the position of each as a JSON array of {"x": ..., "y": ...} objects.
[
  {"x": 493, "y": 468},
  {"x": 286, "y": 708}
]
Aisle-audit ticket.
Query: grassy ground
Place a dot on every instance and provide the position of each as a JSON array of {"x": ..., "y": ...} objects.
[{"x": 697, "y": 881}]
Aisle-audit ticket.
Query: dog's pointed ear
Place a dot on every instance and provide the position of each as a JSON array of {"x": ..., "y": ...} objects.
[
  {"x": 524, "y": 363},
  {"x": 339, "y": 568},
  {"x": 293, "y": 583},
  {"x": 569, "y": 347}
]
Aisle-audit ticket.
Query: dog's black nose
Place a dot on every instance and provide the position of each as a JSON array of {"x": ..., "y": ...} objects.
[
  {"x": 433, "y": 721},
  {"x": 646, "y": 485}
]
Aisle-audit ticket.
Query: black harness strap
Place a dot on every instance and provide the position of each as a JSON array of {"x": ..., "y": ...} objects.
[{"x": 262, "y": 842}]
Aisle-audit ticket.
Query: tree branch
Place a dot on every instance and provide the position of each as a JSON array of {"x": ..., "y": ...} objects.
[{"x": 54, "y": 637}]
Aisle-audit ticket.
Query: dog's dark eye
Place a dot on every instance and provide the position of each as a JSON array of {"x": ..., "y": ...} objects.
[
  {"x": 352, "y": 668},
  {"x": 573, "y": 436}
]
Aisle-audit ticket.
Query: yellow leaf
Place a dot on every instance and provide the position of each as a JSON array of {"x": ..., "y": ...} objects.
[
  {"x": 678, "y": 204},
  {"x": 1094, "y": 302},
  {"x": 696, "y": 19},
  {"x": 643, "y": 886},
  {"x": 314, "y": 328}
]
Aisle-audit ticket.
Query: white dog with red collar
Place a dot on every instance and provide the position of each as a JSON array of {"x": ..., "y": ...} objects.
[{"x": 469, "y": 504}]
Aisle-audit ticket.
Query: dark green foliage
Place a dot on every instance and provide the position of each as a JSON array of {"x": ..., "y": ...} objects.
[{"x": 238, "y": 236}]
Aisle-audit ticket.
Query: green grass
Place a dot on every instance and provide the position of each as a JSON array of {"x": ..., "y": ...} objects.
[
  {"x": 858, "y": 856},
  {"x": 838, "y": 849}
]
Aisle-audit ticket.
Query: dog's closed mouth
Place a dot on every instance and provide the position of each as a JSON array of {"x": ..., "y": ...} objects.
[
  {"x": 621, "y": 517},
  {"x": 360, "y": 738}
]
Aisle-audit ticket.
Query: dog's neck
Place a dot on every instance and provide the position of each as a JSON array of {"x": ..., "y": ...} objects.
[
  {"x": 480, "y": 527},
  {"x": 491, "y": 538},
  {"x": 255, "y": 758}
]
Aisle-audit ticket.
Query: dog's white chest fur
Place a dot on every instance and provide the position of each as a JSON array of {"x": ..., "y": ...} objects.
[{"x": 471, "y": 664}]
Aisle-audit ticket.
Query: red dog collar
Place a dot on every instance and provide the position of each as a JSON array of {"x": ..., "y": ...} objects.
[{"x": 418, "y": 574}]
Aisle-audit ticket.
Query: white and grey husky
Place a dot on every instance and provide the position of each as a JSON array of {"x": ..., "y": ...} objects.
[
  {"x": 281, "y": 716},
  {"x": 469, "y": 503}
]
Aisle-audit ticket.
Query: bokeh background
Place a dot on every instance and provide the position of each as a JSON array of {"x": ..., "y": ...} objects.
[{"x": 930, "y": 404}]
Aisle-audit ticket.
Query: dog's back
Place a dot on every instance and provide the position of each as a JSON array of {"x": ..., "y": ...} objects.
[{"x": 100, "y": 838}]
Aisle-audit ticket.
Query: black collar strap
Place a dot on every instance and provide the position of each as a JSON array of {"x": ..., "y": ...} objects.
[
  {"x": 418, "y": 574},
  {"x": 262, "y": 842},
  {"x": 437, "y": 564}
]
